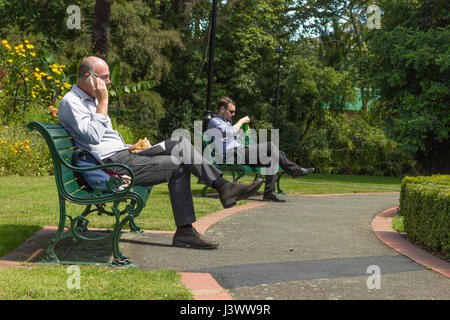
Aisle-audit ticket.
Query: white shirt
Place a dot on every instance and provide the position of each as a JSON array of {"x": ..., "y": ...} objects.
[{"x": 90, "y": 130}]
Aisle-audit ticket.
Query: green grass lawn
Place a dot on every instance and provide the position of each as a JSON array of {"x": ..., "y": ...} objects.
[
  {"x": 332, "y": 183},
  {"x": 95, "y": 283},
  {"x": 30, "y": 203}
]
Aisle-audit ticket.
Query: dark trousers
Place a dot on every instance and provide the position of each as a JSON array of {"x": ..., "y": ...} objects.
[
  {"x": 267, "y": 155},
  {"x": 174, "y": 165}
]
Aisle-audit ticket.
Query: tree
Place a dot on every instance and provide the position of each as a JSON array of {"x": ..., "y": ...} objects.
[
  {"x": 411, "y": 71},
  {"x": 101, "y": 28}
]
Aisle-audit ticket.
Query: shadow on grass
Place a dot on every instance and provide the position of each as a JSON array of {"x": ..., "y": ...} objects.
[{"x": 12, "y": 235}]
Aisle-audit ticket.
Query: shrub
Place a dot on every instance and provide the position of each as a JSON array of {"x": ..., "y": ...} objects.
[
  {"x": 424, "y": 204},
  {"x": 28, "y": 74},
  {"x": 23, "y": 152},
  {"x": 353, "y": 146}
]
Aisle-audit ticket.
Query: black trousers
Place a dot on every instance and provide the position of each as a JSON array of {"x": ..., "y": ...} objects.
[
  {"x": 174, "y": 165},
  {"x": 267, "y": 155}
]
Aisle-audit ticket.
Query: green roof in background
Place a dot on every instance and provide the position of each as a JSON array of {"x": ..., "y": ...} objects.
[{"x": 357, "y": 105}]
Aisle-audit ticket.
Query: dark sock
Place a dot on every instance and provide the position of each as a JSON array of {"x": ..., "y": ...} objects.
[
  {"x": 219, "y": 183},
  {"x": 186, "y": 226}
]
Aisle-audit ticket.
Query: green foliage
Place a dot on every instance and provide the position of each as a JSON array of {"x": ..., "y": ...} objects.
[
  {"x": 309, "y": 88},
  {"x": 410, "y": 67},
  {"x": 353, "y": 146},
  {"x": 142, "y": 114},
  {"x": 397, "y": 224},
  {"x": 22, "y": 152},
  {"x": 29, "y": 80},
  {"x": 424, "y": 205},
  {"x": 158, "y": 61}
]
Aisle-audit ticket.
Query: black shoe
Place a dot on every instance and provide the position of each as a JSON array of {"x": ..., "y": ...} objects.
[
  {"x": 301, "y": 172},
  {"x": 233, "y": 191},
  {"x": 190, "y": 238},
  {"x": 272, "y": 196}
]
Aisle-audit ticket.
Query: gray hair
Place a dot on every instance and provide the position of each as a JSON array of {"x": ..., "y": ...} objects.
[{"x": 85, "y": 66}]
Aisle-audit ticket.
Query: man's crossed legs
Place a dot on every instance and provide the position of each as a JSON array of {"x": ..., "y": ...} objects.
[{"x": 175, "y": 166}]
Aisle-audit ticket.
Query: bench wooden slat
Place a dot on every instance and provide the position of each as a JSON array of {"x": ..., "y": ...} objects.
[
  {"x": 58, "y": 133},
  {"x": 71, "y": 186},
  {"x": 66, "y": 154},
  {"x": 63, "y": 143},
  {"x": 67, "y": 176}
]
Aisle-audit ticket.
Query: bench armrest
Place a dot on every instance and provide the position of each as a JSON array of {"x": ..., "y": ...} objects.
[{"x": 114, "y": 183}]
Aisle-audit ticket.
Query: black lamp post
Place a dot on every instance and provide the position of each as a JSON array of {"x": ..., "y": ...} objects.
[
  {"x": 279, "y": 50},
  {"x": 212, "y": 44}
]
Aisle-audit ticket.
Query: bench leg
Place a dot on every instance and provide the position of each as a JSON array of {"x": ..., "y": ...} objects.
[
  {"x": 279, "y": 175},
  {"x": 205, "y": 188},
  {"x": 50, "y": 254},
  {"x": 119, "y": 258}
]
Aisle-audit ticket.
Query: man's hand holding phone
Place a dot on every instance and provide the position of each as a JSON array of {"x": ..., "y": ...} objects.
[{"x": 100, "y": 91}]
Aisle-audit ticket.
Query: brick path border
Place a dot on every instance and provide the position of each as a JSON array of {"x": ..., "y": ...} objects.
[{"x": 382, "y": 227}]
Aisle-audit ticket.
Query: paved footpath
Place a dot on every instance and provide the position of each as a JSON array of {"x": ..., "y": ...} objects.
[{"x": 311, "y": 247}]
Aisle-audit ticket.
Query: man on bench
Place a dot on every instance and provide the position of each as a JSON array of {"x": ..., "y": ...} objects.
[
  {"x": 228, "y": 142},
  {"x": 83, "y": 112}
]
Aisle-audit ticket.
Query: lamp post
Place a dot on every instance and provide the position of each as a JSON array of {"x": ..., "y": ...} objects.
[
  {"x": 212, "y": 44},
  {"x": 279, "y": 51}
]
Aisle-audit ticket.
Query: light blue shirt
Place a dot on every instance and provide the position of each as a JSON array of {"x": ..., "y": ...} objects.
[
  {"x": 90, "y": 130},
  {"x": 229, "y": 138}
]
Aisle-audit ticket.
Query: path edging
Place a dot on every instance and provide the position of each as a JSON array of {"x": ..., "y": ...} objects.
[{"x": 382, "y": 227}]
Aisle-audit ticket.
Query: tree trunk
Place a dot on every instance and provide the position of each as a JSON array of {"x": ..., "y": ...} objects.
[{"x": 100, "y": 35}]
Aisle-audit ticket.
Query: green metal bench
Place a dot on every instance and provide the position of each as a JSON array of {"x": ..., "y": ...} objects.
[
  {"x": 133, "y": 198},
  {"x": 237, "y": 170}
]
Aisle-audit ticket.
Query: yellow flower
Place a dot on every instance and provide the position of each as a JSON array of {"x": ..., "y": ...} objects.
[
  {"x": 67, "y": 85},
  {"x": 49, "y": 78},
  {"x": 26, "y": 79},
  {"x": 26, "y": 41},
  {"x": 5, "y": 42},
  {"x": 32, "y": 54},
  {"x": 30, "y": 46},
  {"x": 37, "y": 69},
  {"x": 10, "y": 61}
]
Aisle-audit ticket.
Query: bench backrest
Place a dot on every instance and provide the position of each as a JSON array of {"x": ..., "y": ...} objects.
[{"x": 61, "y": 148}]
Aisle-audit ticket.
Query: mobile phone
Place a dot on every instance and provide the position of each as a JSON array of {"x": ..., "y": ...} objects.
[
  {"x": 90, "y": 75},
  {"x": 94, "y": 78}
]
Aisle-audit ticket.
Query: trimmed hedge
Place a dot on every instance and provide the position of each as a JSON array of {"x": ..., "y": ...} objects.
[{"x": 424, "y": 203}]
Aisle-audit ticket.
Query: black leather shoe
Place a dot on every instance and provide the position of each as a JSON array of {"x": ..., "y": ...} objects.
[
  {"x": 301, "y": 172},
  {"x": 232, "y": 192},
  {"x": 190, "y": 238},
  {"x": 272, "y": 196}
]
